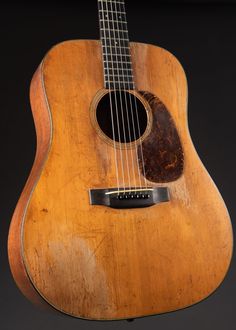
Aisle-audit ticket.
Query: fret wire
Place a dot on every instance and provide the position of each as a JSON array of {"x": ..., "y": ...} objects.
[
  {"x": 120, "y": 83},
  {"x": 117, "y": 81},
  {"x": 117, "y": 75},
  {"x": 116, "y": 78},
  {"x": 124, "y": 56},
  {"x": 111, "y": 21},
  {"x": 120, "y": 57},
  {"x": 115, "y": 43},
  {"x": 130, "y": 70},
  {"x": 123, "y": 47},
  {"x": 130, "y": 75},
  {"x": 114, "y": 69},
  {"x": 112, "y": 2},
  {"x": 117, "y": 62},
  {"x": 107, "y": 64},
  {"x": 103, "y": 38},
  {"x": 116, "y": 30},
  {"x": 114, "y": 54},
  {"x": 108, "y": 16},
  {"x": 112, "y": 11}
]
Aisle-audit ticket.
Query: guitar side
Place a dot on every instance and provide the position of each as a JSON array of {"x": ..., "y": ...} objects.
[
  {"x": 42, "y": 121},
  {"x": 98, "y": 263}
]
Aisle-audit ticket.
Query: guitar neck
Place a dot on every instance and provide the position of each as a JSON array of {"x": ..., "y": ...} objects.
[{"x": 118, "y": 73}]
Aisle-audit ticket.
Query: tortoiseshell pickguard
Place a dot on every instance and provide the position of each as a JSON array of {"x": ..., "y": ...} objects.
[{"x": 163, "y": 155}]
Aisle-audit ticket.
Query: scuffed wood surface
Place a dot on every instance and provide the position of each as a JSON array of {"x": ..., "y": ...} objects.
[{"x": 100, "y": 263}]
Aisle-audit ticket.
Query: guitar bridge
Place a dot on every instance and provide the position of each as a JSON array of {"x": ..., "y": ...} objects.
[{"x": 125, "y": 198}]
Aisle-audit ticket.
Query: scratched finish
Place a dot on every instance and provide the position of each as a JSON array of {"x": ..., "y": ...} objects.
[
  {"x": 100, "y": 263},
  {"x": 161, "y": 152}
]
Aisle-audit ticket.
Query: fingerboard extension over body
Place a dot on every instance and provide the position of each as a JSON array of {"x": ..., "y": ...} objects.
[{"x": 118, "y": 73}]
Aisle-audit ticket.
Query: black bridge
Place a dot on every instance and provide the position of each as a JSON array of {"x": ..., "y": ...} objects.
[{"x": 126, "y": 198}]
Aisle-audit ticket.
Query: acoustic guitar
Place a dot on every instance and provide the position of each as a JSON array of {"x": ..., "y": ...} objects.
[{"x": 119, "y": 218}]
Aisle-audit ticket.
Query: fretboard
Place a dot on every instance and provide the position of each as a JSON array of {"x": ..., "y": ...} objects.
[{"x": 118, "y": 73}]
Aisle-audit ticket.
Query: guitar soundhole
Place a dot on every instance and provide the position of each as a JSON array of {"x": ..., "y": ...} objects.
[{"x": 122, "y": 116}]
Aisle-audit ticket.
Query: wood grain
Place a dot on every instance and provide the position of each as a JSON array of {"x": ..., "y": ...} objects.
[{"x": 99, "y": 263}]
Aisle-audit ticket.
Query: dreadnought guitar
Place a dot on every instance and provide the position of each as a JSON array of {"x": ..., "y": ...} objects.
[{"x": 119, "y": 218}]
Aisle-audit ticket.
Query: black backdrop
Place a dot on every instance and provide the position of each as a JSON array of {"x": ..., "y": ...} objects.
[{"x": 203, "y": 38}]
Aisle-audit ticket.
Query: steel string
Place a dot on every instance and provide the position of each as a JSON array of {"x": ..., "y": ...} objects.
[{"x": 110, "y": 98}]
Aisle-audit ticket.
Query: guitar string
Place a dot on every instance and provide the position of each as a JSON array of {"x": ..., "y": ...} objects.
[
  {"x": 139, "y": 134},
  {"x": 120, "y": 36},
  {"x": 131, "y": 103},
  {"x": 140, "y": 144},
  {"x": 105, "y": 61},
  {"x": 115, "y": 96},
  {"x": 119, "y": 77}
]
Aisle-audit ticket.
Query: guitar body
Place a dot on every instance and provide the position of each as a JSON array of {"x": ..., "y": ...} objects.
[{"x": 98, "y": 262}]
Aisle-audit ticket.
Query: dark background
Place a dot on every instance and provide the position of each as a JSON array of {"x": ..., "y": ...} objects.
[{"x": 202, "y": 34}]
